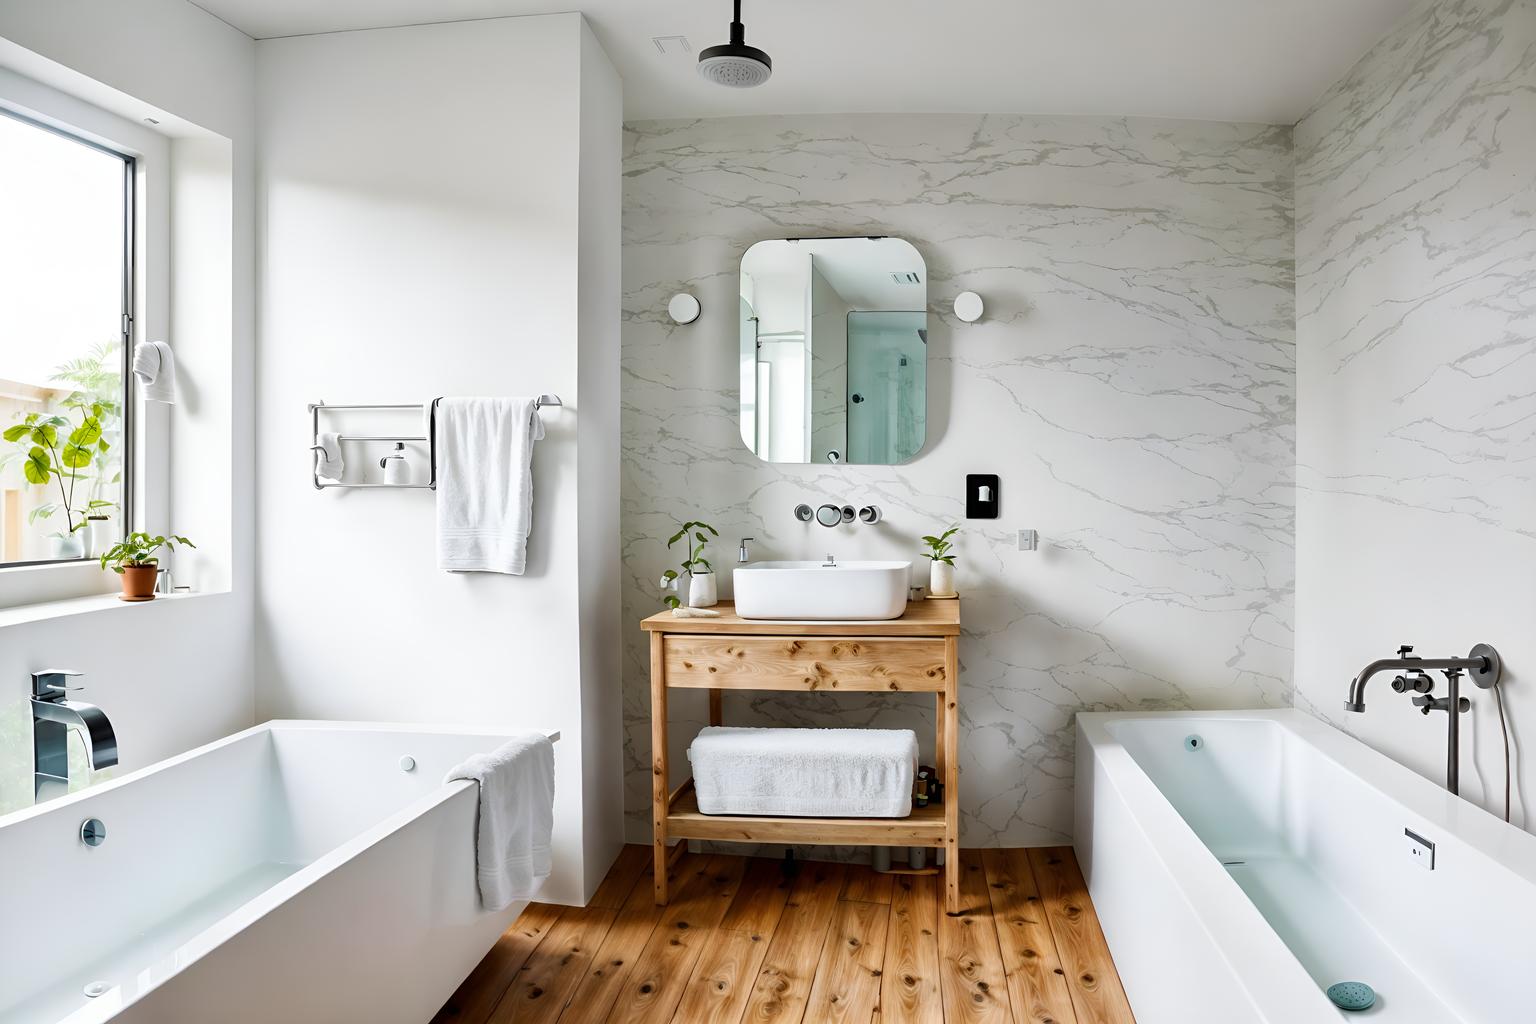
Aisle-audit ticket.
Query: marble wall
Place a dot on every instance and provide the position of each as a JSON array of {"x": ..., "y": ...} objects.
[
  {"x": 1416, "y": 259},
  {"x": 1133, "y": 383}
]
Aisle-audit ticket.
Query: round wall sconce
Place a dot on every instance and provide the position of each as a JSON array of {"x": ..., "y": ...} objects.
[
  {"x": 968, "y": 307},
  {"x": 684, "y": 308}
]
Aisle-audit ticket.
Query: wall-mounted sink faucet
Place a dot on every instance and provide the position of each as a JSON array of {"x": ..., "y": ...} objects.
[
  {"x": 52, "y": 718},
  {"x": 1483, "y": 667},
  {"x": 830, "y": 515}
]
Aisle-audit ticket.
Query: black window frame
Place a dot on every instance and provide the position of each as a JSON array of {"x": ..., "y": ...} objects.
[{"x": 127, "y": 323}]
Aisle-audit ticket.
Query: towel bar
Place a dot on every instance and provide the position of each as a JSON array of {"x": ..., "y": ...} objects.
[{"x": 430, "y": 438}]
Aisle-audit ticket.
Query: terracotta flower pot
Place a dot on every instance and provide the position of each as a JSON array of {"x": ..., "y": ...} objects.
[{"x": 138, "y": 582}]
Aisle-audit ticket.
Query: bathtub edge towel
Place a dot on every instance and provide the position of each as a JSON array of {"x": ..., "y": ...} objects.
[
  {"x": 485, "y": 483},
  {"x": 516, "y": 817},
  {"x": 154, "y": 367}
]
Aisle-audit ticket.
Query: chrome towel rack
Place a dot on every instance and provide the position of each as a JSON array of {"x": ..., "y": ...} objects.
[{"x": 430, "y": 438}]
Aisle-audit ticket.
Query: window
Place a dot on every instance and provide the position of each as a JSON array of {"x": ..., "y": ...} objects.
[{"x": 66, "y": 297}]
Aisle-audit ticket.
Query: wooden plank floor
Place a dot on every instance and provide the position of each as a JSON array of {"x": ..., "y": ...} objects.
[{"x": 740, "y": 943}]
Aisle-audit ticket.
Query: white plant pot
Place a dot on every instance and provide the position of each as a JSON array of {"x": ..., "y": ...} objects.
[
  {"x": 99, "y": 536},
  {"x": 701, "y": 590},
  {"x": 941, "y": 579},
  {"x": 72, "y": 546}
]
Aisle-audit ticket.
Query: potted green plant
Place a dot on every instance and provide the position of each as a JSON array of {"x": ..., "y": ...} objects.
[
  {"x": 60, "y": 446},
  {"x": 57, "y": 449},
  {"x": 941, "y": 571},
  {"x": 135, "y": 559},
  {"x": 702, "y": 592}
]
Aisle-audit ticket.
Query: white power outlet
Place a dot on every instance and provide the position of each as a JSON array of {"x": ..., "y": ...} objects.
[
  {"x": 1029, "y": 540},
  {"x": 1420, "y": 849}
]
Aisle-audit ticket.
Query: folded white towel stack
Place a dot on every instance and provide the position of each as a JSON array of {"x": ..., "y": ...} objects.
[
  {"x": 516, "y": 819},
  {"x": 154, "y": 367},
  {"x": 837, "y": 773},
  {"x": 485, "y": 482},
  {"x": 328, "y": 461}
]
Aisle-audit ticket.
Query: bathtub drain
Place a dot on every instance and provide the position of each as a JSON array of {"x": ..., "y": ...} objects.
[
  {"x": 1193, "y": 742},
  {"x": 1352, "y": 995}
]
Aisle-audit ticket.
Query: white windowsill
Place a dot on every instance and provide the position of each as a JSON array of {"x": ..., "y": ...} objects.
[{"x": 23, "y": 614}]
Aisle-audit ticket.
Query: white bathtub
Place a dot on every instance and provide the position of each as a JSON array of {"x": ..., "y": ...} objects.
[
  {"x": 293, "y": 872},
  {"x": 1324, "y": 888}
]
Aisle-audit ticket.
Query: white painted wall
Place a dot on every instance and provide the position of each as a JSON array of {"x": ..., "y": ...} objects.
[
  {"x": 1416, "y": 513},
  {"x": 599, "y": 287},
  {"x": 171, "y": 675},
  {"x": 438, "y": 209}
]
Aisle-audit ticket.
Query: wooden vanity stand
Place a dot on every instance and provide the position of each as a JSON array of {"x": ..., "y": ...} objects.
[{"x": 917, "y": 653}]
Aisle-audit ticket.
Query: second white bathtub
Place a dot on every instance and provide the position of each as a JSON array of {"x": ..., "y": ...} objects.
[
  {"x": 1242, "y": 862},
  {"x": 296, "y": 872}
]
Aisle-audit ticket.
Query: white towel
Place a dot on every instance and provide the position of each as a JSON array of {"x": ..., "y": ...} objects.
[
  {"x": 516, "y": 817},
  {"x": 832, "y": 773},
  {"x": 154, "y": 367},
  {"x": 328, "y": 461},
  {"x": 485, "y": 482}
]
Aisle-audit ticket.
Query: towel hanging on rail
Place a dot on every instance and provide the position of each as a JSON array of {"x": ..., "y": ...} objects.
[
  {"x": 329, "y": 463},
  {"x": 484, "y": 450}
]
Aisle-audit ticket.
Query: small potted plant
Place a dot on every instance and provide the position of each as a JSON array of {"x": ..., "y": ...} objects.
[
  {"x": 701, "y": 575},
  {"x": 941, "y": 573},
  {"x": 134, "y": 558}
]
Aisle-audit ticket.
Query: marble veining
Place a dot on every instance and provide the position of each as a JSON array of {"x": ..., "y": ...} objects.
[
  {"x": 1133, "y": 382},
  {"x": 1416, "y": 299}
]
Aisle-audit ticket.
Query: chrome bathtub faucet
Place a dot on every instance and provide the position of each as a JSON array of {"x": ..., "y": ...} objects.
[{"x": 52, "y": 718}]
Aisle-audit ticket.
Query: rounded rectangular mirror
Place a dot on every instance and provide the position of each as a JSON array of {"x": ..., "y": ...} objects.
[{"x": 834, "y": 350}]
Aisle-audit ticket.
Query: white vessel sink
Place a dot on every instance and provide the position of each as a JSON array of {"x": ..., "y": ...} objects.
[{"x": 847, "y": 591}]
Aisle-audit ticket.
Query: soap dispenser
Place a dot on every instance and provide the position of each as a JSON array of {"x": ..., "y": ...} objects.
[{"x": 397, "y": 469}]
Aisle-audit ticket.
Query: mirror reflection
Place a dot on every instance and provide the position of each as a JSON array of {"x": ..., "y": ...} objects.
[{"x": 834, "y": 350}]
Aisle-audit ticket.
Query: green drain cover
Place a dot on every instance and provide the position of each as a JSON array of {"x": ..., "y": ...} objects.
[{"x": 1352, "y": 995}]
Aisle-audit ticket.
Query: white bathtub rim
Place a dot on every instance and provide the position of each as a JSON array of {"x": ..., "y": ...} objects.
[
  {"x": 1282, "y": 993},
  {"x": 272, "y": 725},
  {"x": 248, "y": 913},
  {"x": 1444, "y": 817}
]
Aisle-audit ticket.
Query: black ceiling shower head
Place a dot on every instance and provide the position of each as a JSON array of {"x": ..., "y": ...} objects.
[{"x": 735, "y": 64}]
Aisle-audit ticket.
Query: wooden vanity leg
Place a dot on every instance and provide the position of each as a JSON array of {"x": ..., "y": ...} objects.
[
  {"x": 951, "y": 771},
  {"x": 716, "y": 707},
  {"x": 938, "y": 737},
  {"x": 659, "y": 790}
]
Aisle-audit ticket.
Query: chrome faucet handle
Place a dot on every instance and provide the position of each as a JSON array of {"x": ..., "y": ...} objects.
[
  {"x": 1404, "y": 651},
  {"x": 48, "y": 683}
]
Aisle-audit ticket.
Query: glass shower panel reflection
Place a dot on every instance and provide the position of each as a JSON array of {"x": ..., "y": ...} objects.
[{"x": 887, "y": 386}]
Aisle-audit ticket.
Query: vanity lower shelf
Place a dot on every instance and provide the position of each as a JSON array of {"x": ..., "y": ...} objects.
[{"x": 924, "y": 827}]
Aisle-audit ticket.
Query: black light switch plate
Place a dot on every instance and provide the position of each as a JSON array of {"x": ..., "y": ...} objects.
[{"x": 982, "y": 498}]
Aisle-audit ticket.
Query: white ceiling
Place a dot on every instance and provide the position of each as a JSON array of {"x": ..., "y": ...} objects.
[{"x": 1225, "y": 60}]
